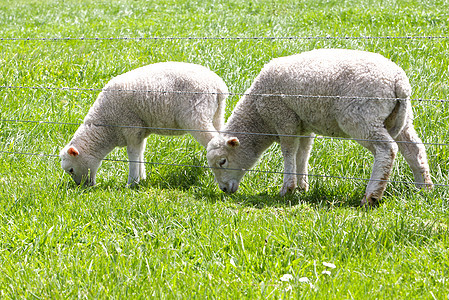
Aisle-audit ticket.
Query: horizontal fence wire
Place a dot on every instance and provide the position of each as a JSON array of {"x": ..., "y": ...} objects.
[
  {"x": 220, "y": 131},
  {"x": 235, "y": 38},
  {"x": 78, "y": 89},
  {"x": 234, "y": 169}
]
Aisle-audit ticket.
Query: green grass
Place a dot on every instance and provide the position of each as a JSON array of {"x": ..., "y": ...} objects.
[{"x": 177, "y": 235}]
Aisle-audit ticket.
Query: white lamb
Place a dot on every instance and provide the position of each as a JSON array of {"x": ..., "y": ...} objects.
[
  {"x": 181, "y": 96},
  {"x": 341, "y": 77}
]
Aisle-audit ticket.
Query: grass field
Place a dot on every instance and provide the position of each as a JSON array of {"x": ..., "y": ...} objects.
[{"x": 177, "y": 235}]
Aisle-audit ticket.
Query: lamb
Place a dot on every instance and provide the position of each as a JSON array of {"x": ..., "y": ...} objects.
[
  {"x": 350, "y": 93},
  {"x": 175, "y": 95}
]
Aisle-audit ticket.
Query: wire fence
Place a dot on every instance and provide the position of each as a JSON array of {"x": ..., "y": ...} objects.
[
  {"x": 175, "y": 38},
  {"x": 216, "y": 93},
  {"x": 223, "y": 132},
  {"x": 91, "y": 89},
  {"x": 232, "y": 38},
  {"x": 233, "y": 169},
  {"x": 156, "y": 129}
]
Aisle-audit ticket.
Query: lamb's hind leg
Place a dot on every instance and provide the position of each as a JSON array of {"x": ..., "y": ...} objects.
[
  {"x": 302, "y": 161},
  {"x": 384, "y": 150},
  {"x": 411, "y": 147},
  {"x": 136, "y": 162}
]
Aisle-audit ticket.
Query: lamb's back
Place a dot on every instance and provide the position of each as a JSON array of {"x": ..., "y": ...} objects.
[
  {"x": 330, "y": 72},
  {"x": 355, "y": 78},
  {"x": 157, "y": 94}
]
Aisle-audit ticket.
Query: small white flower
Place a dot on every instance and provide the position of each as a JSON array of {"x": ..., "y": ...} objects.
[
  {"x": 303, "y": 279},
  {"x": 286, "y": 277},
  {"x": 326, "y": 272},
  {"x": 329, "y": 265},
  {"x": 288, "y": 288}
]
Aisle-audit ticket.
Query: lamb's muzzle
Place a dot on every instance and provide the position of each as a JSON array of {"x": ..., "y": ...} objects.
[{"x": 230, "y": 187}]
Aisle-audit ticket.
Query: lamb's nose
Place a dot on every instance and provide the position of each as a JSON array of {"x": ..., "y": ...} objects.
[{"x": 224, "y": 189}]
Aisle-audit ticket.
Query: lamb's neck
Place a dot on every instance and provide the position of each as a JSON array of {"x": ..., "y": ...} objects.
[
  {"x": 94, "y": 140},
  {"x": 247, "y": 125}
]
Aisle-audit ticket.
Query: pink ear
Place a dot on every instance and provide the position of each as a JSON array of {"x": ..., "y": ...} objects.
[
  {"x": 72, "y": 151},
  {"x": 233, "y": 142}
]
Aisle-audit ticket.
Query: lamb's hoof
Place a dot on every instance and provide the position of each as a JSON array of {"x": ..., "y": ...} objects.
[
  {"x": 303, "y": 186},
  {"x": 369, "y": 201},
  {"x": 131, "y": 185},
  {"x": 287, "y": 190},
  {"x": 427, "y": 185}
]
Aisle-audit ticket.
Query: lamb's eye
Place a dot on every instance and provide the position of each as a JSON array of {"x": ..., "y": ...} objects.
[
  {"x": 222, "y": 162},
  {"x": 71, "y": 171}
]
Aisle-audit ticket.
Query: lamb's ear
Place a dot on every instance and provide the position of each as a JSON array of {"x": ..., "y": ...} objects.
[
  {"x": 233, "y": 142},
  {"x": 72, "y": 151}
]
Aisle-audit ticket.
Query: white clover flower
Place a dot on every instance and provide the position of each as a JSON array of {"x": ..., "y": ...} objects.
[
  {"x": 286, "y": 277},
  {"x": 329, "y": 265}
]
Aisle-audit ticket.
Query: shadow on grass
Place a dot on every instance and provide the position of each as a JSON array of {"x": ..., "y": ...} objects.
[
  {"x": 319, "y": 196},
  {"x": 183, "y": 178},
  {"x": 191, "y": 180}
]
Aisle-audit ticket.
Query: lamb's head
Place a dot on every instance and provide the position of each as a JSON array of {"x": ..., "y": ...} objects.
[
  {"x": 79, "y": 164},
  {"x": 227, "y": 162}
]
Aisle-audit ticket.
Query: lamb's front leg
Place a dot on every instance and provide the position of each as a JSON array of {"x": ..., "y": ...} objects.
[
  {"x": 142, "y": 173},
  {"x": 289, "y": 147},
  {"x": 302, "y": 161},
  {"x": 136, "y": 165}
]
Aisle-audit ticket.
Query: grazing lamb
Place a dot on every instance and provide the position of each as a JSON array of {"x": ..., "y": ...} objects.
[
  {"x": 341, "y": 77},
  {"x": 175, "y": 95}
]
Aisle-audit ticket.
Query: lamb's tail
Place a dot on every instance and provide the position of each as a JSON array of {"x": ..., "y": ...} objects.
[{"x": 400, "y": 113}]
